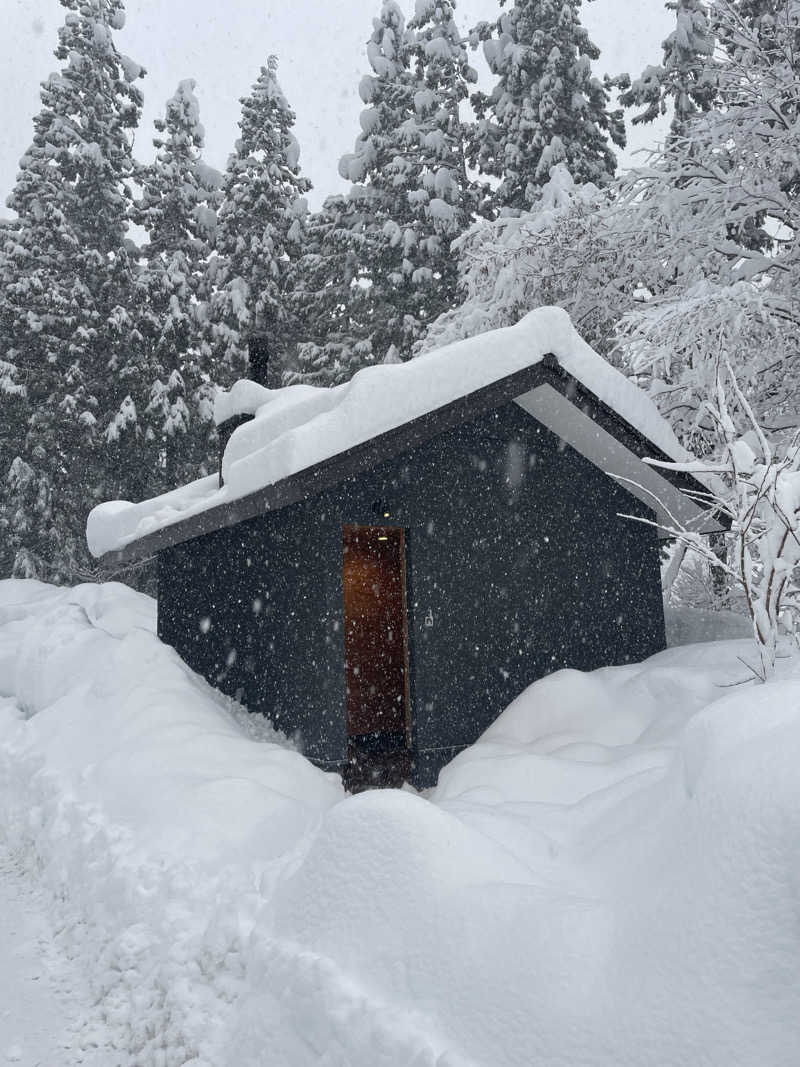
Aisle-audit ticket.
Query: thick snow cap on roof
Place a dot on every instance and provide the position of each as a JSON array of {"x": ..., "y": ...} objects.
[{"x": 300, "y": 426}]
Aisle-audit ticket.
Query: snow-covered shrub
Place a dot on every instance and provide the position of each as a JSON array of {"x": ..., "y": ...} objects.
[
  {"x": 710, "y": 227},
  {"x": 555, "y": 254},
  {"x": 667, "y": 343},
  {"x": 756, "y": 486}
]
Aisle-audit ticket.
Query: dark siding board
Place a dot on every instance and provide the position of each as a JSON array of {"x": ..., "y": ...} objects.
[
  {"x": 267, "y": 587},
  {"x": 519, "y": 582},
  {"x": 520, "y": 578}
]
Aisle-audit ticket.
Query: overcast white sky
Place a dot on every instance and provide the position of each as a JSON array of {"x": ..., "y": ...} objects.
[{"x": 223, "y": 43}]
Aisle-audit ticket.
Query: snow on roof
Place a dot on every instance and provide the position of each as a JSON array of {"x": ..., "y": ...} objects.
[{"x": 299, "y": 426}]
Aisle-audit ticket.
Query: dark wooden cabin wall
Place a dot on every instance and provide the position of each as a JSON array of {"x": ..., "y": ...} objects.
[
  {"x": 515, "y": 552},
  {"x": 254, "y": 609}
]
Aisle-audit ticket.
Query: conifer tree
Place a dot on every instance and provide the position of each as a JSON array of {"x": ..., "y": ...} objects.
[
  {"x": 65, "y": 296},
  {"x": 13, "y": 409},
  {"x": 179, "y": 190},
  {"x": 546, "y": 106},
  {"x": 328, "y": 301},
  {"x": 686, "y": 74},
  {"x": 259, "y": 229},
  {"x": 411, "y": 189},
  {"x": 177, "y": 208},
  {"x": 442, "y": 76},
  {"x": 445, "y": 199}
]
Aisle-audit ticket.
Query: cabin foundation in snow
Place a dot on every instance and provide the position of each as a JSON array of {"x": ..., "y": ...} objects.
[{"x": 382, "y": 574}]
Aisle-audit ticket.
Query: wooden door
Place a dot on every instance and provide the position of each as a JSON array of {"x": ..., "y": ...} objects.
[{"x": 376, "y": 636}]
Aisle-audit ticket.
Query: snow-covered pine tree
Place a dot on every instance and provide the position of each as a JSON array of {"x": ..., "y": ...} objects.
[
  {"x": 177, "y": 206},
  {"x": 259, "y": 231},
  {"x": 330, "y": 305},
  {"x": 546, "y": 106},
  {"x": 445, "y": 200},
  {"x": 178, "y": 210},
  {"x": 65, "y": 294},
  {"x": 411, "y": 192},
  {"x": 13, "y": 410},
  {"x": 686, "y": 74}
]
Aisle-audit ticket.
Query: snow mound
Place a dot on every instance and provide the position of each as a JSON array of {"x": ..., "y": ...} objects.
[
  {"x": 299, "y": 426},
  {"x": 243, "y": 398},
  {"x": 688, "y": 626},
  {"x": 168, "y": 743},
  {"x": 607, "y": 878}
]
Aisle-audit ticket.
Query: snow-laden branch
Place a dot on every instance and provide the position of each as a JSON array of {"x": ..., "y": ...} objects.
[{"x": 758, "y": 488}]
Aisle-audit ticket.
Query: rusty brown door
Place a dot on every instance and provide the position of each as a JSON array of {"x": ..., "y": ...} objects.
[{"x": 376, "y": 634}]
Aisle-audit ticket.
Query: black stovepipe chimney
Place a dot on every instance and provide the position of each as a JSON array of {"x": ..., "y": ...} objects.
[
  {"x": 258, "y": 358},
  {"x": 258, "y": 371}
]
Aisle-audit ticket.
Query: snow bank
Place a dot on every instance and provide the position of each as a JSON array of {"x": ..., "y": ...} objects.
[
  {"x": 168, "y": 746},
  {"x": 608, "y": 878},
  {"x": 243, "y": 398},
  {"x": 125, "y": 780},
  {"x": 688, "y": 626},
  {"x": 299, "y": 426}
]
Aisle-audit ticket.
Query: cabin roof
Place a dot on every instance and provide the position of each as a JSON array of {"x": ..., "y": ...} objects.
[{"x": 302, "y": 439}]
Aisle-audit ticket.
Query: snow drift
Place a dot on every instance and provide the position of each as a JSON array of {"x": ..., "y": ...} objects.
[{"x": 609, "y": 877}]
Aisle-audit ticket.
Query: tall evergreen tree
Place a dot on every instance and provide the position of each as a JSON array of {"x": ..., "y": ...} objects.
[
  {"x": 13, "y": 408},
  {"x": 546, "y": 107},
  {"x": 686, "y": 74},
  {"x": 259, "y": 229},
  {"x": 445, "y": 198},
  {"x": 65, "y": 296},
  {"x": 179, "y": 191},
  {"x": 411, "y": 189},
  {"x": 329, "y": 302},
  {"x": 177, "y": 208},
  {"x": 442, "y": 77}
]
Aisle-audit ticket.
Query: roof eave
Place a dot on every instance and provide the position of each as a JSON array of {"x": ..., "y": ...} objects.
[{"x": 365, "y": 456}]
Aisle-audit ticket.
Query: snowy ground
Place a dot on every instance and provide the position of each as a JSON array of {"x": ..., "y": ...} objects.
[
  {"x": 41, "y": 993},
  {"x": 609, "y": 878}
]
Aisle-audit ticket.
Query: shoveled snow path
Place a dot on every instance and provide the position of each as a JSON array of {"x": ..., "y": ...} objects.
[{"x": 40, "y": 992}]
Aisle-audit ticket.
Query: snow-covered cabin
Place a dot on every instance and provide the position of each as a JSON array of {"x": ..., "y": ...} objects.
[{"x": 380, "y": 568}]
